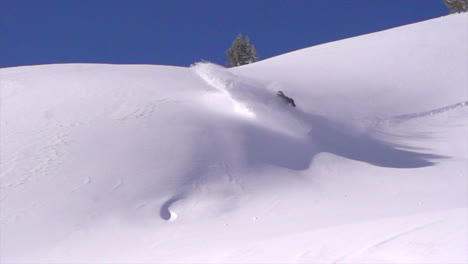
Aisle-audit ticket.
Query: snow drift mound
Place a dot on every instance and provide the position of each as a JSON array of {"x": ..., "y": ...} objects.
[{"x": 104, "y": 163}]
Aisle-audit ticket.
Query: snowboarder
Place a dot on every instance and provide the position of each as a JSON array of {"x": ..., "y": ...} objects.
[{"x": 285, "y": 98}]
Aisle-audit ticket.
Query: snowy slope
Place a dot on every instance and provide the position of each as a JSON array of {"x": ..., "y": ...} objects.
[{"x": 126, "y": 164}]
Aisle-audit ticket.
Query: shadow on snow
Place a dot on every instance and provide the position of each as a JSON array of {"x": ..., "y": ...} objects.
[{"x": 326, "y": 136}]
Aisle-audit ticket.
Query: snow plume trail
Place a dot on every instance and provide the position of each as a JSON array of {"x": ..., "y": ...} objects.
[
  {"x": 254, "y": 99},
  {"x": 241, "y": 95}
]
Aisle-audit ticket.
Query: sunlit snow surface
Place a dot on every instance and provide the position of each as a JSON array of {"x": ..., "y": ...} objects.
[{"x": 159, "y": 164}]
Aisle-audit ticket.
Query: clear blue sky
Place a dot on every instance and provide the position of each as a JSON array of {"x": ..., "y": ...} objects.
[{"x": 175, "y": 32}]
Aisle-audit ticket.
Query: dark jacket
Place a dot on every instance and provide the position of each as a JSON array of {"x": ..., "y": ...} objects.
[{"x": 286, "y": 99}]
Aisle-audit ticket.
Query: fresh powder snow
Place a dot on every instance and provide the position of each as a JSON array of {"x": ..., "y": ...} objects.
[{"x": 160, "y": 164}]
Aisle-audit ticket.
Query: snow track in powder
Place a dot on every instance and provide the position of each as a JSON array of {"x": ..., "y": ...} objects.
[{"x": 437, "y": 111}]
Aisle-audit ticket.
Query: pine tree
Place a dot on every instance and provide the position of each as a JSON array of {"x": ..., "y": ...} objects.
[
  {"x": 457, "y": 6},
  {"x": 241, "y": 52}
]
